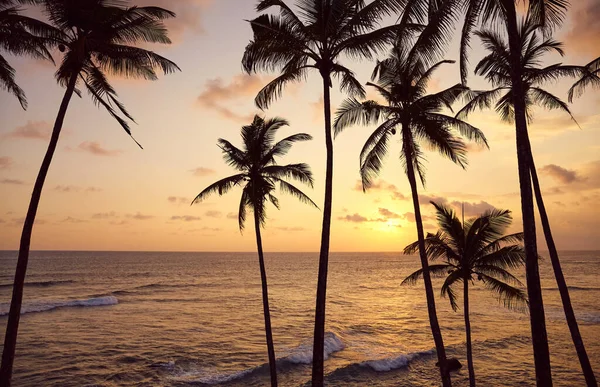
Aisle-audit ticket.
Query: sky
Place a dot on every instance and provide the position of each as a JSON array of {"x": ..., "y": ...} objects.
[{"x": 104, "y": 193}]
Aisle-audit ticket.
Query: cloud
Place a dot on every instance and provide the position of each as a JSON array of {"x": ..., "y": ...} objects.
[
  {"x": 213, "y": 214},
  {"x": 583, "y": 36},
  {"x": 425, "y": 199},
  {"x": 74, "y": 188},
  {"x": 186, "y": 218},
  {"x": 232, "y": 215},
  {"x": 177, "y": 200},
  {"x": 290, "y": 228},
  {"x": 317, "y": 110},
  {"x": 33, "y": 130},
  {"x": 139, "y": 216},
  {"x": 105, "y": 215},
  {"x": 382, "y": 185},
  {"x": 389, "y": 214},
  {"x": 12, "y": 181},
  {"x": 5, "y": 162},
  {"x": 202, "y": 171},
  {"x": 74, "y": 220},
  {"x": 96, "y": 149},
  {"x": 217, "y": 95},
  {"x": 189, "y": 15},
  {"x": 559, "y": 173},
  {"x": 472, "y": 209},
  {"x": 356, "y": 218}
]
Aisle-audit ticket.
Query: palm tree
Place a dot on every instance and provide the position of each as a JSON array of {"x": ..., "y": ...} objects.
[
  {"x": 502, "y": 15},
  {"x": 21, "y": 35},
  {"x": 496, "y": 68},
  {"x": 317, "y": 37},
  {"x": 475, "y": 249},
  {"x": 590, "y": 78},
  {"x": 402, "y": 81},
  {"x": 97, "y": 39},
  {"x": 259, "y": 175}
]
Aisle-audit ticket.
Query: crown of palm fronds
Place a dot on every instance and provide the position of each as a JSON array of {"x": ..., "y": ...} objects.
[
  {"x": 320, "y": 32},
  {"x": 496, "y": 68},
  {"x": 98, "y": 41},
  {"x": 546, "y": 14},
  {"x": 590, "y": 78},
  {"x": 402, "y": 81},
  {"x": 479, "y": 249},
  {"x": 22, "y": 35},
  {"x": 259, "y": 173}
]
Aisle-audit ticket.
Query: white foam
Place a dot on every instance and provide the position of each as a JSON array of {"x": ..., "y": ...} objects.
[
  {"x": 44, "y": 306},
  {"x": 303, "y": 354},
  {"x": 393, "y": 363},
  {"x": 208, "y": 376}
]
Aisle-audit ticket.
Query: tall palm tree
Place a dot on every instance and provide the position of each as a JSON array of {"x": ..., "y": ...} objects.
[
  {"x": 476, "y": 249},
  {"x": 402, "y": 81},
  {"x": 21, "y": 35},
  {"x": 316, "y": 37},
  {"x": 502, "y": 14},
  {"x": 259, "y": 175},
  {"x": 98, "y": 38},
  {"x": 496, "y": 68}
]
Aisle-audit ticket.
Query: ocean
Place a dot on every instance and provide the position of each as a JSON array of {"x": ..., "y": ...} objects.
[{"x": 195, "y": 319}]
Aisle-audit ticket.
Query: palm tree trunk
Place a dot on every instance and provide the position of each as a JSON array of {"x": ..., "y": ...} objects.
[
  {"x": 560, "y": 281},
  {"x": 433, "y": 320},
  {"x": 468, "y": 334},
  {"x": 14, "y": 314},
  {"x": 541, "y": 352},
  {"x": 265, "y": 299},
  {"x": 319, "y": 333}
]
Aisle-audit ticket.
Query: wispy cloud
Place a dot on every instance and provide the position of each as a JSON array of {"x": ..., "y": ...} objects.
[
  {"x": 232, "y": 215},
  {"x": 96, "y": 149},
  {"x": 105, "y": 215},
  {"x": 218, "y": 95},
  {"x": 389, "y": 214},
  {"x": 189, "y": 15},
  {"x": 213, "y": 214},
  {"x": 583, "y": 36},
  {"x": 74, "y": 189},
  {"x": 292, "y": 229},
  {"x": 5, "y": 162},
  {"x": 139, "y": 216},
  {"x": 186, "y": 218},
  {"x": 472, "y": 209},
  {"x": 202, "y": 171},
  {"x": 382, "y": 186},
  {"x": 33, "y": 130},
  {"x": 70, "y": 219},
  {"x": 12, "y": 181},
  {"x": 562, "y": 175},
  {"x": 178, "y": 200}
]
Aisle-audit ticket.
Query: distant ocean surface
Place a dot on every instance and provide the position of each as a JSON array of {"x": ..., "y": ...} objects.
[{"x": 195, "y": 319}]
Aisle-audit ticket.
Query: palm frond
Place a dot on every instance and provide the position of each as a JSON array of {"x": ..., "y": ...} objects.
[{"x": 220, "y": 187}]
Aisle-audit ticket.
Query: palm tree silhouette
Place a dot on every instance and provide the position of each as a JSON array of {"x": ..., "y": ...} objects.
[
  {"x": 21, "y": 35},
  {"x": 496, "y": 68},
  {"x": 476, "y": 249},
  {"x": 590, "y": 78},
  {"x": 402, "y": 82},
  {"x": 97, "y": 38},
  {"x": 259, "y": 175},
  {"x": 502, "y": 15},
  {"x": 316, "y": 38}
]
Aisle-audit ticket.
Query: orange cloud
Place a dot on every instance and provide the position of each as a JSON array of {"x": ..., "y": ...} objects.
[
  {"x": 33, "y": 130},
  {"x": 202, "y": 172},
  {"x": 584, "y": 36},
  {"x": 217, "y": 95},
  {"x": 186, "y": 218},
  {"x": 5, "y": 162},
  {"x": 559, "y": 173},
  {"x": 105, "y": 215},
  {"x": 178, "y": 200},
  {"x": 12, "y": 181},
  {"x": 213, "y": 214},
  {"x": 139, "y": 216},
  {"x": 96, "y": 149},
  {"x": 188, "y": 18},
  {"x": 472, "y": 209},
  {"x": 389, "y": 214}
]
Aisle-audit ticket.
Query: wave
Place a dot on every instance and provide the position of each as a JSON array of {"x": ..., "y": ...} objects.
[
  {"x": 44, "y": 306},
  {"x": 299, "y": 355},
  {"x": 40, "y": 284},
  {"x": 580, "y": 288},
  {"x": 582, "y": 317},
  {"x": 393, "y": 363},
  {"x": 303, "y": 353}
]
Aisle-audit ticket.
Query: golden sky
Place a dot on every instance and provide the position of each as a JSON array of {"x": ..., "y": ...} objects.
[{"x": 104, "y": 193}]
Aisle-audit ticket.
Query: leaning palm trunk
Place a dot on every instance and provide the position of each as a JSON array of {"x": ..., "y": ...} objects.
[
  {"x": 541, "y": 352},
  {"x": 265, "y": 298},
  {"x": 319, "y": 333},
  {"x": 560, "y": 281},
  {"x": 468, "y": 334},
  {"x": 433, "y": 320},
  {"x": 14, "y": 314}
]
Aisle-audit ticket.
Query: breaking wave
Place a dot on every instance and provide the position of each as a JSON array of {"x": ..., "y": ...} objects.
[
  {"x": 393, "y": 363},
  {"x": 44, "y": 306}
]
